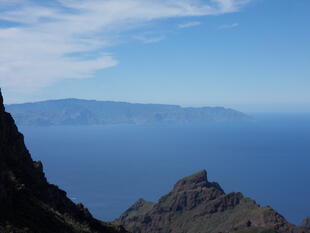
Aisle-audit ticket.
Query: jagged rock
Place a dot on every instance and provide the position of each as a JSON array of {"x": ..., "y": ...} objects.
[
  {"x": 196, "y": 205},
  {"x": 28, "y": 203},
  {"x": 306, "y": 222}
]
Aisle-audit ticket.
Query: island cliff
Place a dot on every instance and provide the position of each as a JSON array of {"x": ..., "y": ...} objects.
[
  {"x": 92, "y": 112},
  {"x": 28, "y": 203}
]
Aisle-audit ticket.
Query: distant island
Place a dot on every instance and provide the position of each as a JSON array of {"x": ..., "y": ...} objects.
[{"x": 92, "y": 112}]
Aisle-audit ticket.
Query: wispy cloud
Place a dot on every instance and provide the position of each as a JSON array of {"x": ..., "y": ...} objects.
[
  {"x": 189, "y": 24},
  {"x": 228, "y": 26},
  {"x": 148, "y": 39},
  {"x": 43, "y": 43}
]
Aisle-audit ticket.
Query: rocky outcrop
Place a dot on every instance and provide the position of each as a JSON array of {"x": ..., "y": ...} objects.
[
  {"x": 28, "y": 203},
  {"x": 196, "y": 205},
  {"x": 305, "y": 222}
]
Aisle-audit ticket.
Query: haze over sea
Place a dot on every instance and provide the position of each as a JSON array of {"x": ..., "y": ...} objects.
[{"x": 109, "y": 167}]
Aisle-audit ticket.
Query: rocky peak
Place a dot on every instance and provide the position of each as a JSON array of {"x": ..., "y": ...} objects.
[
  {"x": 306, "y": 222},
  {"x": 1, "y": 102},
  {"x": 198, "y": 180},
  {"x": 141, "y": 202},
  {"x": 197, "y": 205},
  {"x": 140, "y": 207}
]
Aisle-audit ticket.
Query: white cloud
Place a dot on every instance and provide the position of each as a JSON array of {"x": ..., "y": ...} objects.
[
  {"x": 149, "y": 39},
  {"x": 189, "y": 24},
  {"x": 228, "y": 26},
  {"x": 67, "y": 39}
]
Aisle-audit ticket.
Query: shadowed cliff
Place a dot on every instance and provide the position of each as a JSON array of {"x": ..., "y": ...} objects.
[{"x": 28, "y": 203}]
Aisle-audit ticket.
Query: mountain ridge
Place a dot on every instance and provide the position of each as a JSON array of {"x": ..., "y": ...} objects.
[
  {"x": 93, "y": 112},
  {"x": 196, "y": 205},
  {"x": 306, "y": 222}
]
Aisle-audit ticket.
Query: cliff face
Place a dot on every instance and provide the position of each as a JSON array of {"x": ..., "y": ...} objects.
[
  {"x": 196, "y": 205},
  {"x": 28, "y": 203},
  {"x": 306, "y": 222}
]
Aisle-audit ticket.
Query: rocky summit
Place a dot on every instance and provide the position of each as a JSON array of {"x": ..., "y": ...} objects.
[
  {"x": 306, "y": 222},
  {"x": 28, "y": 203},
  {"x": 196, "y": 205}
]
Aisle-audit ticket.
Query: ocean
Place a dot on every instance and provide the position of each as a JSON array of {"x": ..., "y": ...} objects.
[{"x": 108, "y": 168}]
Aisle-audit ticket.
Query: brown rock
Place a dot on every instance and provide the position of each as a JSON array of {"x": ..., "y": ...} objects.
[
  {"x": 196, "y": 205},
  {"x": 306, "y": 222}
]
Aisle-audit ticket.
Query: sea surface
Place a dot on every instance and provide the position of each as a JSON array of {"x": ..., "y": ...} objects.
[{"x": 109, "y": 167}]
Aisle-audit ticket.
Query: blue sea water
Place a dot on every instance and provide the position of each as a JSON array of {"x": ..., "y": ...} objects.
[{"x": 109, "y": 167}]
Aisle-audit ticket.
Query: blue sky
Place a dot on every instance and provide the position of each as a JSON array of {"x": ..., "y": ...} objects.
[{"x": 252, "y": 55}]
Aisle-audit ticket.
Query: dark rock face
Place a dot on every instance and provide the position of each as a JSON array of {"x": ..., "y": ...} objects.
[
  {"x": 196, "y": 205},
  {"x": 306, "y": 222},
  {"x": 28, "y": 203}
]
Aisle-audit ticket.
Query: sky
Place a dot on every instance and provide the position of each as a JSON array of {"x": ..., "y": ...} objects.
[{"x": 251, "y": 55}]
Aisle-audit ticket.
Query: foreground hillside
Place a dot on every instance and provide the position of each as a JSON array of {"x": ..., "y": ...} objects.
[
  {"x": 90, "y": 112},
  {"x": 28, "y": 203},
  {"x": 196, "y": 205}
]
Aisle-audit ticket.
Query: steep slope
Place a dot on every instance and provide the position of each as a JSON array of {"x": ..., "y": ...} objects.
[
  {"x": 196, "y": 205},
  {"x": 90, "y": 112},
  {"x": 28, "y": 203},
  {"x": 306, "y": 222}
]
